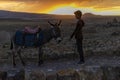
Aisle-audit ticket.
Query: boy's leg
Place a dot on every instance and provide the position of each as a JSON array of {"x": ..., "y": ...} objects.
[{"x": 80, "y": 49}]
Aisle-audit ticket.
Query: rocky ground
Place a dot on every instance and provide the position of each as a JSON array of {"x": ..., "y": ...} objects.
[{"x": 66, "y": 68}]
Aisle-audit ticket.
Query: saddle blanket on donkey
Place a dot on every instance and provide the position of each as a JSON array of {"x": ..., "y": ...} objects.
[{"x": 27, "y": 39}]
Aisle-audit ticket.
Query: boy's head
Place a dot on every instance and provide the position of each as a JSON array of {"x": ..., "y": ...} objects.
[{"x": 78, "y": 14}]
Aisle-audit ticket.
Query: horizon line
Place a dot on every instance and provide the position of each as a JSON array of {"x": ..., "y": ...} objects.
[{"x": 58, "y": 14}]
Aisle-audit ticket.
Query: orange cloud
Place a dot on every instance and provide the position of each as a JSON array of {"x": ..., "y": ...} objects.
[{"x": 48, "y": 6}]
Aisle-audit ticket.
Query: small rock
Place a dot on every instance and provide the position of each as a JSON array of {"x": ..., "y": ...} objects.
[{"x": 37, "y": 75}]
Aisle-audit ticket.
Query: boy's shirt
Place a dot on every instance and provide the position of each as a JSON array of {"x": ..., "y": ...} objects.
[{"x": 78, "y": 30}]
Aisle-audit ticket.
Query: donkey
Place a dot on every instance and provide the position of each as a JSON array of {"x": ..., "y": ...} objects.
[{"x": 48, "y": 34}]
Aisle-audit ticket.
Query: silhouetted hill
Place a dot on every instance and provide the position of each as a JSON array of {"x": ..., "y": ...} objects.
[
  {"x": 90, "y": 15},
  {"x": 11, "y": 14},
  {"x": 28, "y": 16}
]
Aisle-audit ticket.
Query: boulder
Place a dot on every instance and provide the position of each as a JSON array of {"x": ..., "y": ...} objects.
[
  {"x": 51, "y": 76},
  {"x": 16, "y": 75},
  {"x": 37, "y": 75},
  {"x": 89, "y": 73},
  {"x": 67, "y": 74}
]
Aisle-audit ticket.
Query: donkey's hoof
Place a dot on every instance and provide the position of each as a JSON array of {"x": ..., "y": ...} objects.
[{"x": 40, "y": 63}]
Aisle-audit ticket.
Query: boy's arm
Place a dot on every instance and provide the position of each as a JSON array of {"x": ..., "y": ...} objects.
[
  {"x": 78, "y": 27},
  {"x": 74, "y": 32}
]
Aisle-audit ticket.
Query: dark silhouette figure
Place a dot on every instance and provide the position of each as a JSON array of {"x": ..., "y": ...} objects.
[{"x": 78, "y": 35}]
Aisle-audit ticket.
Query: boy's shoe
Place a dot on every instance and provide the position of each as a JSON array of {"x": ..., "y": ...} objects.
[{"x": 41, "y": 62}]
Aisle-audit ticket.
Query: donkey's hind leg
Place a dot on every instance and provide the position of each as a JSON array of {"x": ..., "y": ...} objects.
[
  {"x": 19, "y": 54},
  {"x": 40, "y": 56}
]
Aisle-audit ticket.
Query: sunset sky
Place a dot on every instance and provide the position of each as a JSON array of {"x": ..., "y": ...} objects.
[{"x": 100, "y": 7}]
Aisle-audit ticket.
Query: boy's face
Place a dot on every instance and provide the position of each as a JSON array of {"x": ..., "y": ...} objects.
[{"x": 77, "y": 16}]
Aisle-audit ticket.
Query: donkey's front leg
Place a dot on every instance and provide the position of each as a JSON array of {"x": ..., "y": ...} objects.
[
  {"x": 19, "y": 54},
  {"x": 40, "y": 56},
  {"x": 13, "y": 53}
]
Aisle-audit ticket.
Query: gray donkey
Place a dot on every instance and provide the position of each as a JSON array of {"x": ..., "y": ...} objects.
[{"x": 47, "y": 34}]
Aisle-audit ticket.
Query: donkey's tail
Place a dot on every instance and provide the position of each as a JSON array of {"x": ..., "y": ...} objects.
[{"x": 11, "y": 44}]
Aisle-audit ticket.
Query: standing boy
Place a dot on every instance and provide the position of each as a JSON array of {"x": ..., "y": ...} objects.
[{"x": 78, "y": 35}]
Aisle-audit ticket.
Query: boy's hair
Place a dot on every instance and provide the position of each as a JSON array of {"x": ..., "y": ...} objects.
[{"x": 78, "y": 12}]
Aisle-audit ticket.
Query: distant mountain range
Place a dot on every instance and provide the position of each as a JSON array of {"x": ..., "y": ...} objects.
[
  {"x": 23, "y": 15},
  {"x": 27, "y": 16}
]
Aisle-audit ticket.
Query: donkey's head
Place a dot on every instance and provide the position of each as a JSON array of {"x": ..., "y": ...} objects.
[{"x": 56, "y": 32}]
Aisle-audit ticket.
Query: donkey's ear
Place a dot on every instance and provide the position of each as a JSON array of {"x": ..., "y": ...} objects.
[
  {"x": 50, "y": 23},
  {"x": 59, "y": 22}
]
